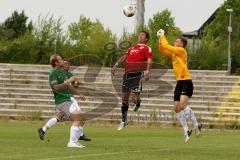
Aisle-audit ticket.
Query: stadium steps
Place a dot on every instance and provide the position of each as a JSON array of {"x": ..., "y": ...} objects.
[
  {"x": 46, "y": 68},
  {"x": 109, "y": 86},
  {"x": 106, "y": 76},
  {"x": 110, "y": 106},
  {"x": 145, "y": 97},
  {"x": 225, "y": 107},
  {"x": 107, "y": 81},
  {"x": 146, "y": 93},
  {"x": 165, "y": 116},
  {"x": 25, "y": 89}
]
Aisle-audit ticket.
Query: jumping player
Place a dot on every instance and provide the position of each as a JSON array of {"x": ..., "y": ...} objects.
[
  {"x": 184, "y": 88},
  {"x": 138, "y": 63}
]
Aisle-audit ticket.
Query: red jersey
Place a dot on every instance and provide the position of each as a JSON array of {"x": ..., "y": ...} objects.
[{"x": 137, "y": 57}]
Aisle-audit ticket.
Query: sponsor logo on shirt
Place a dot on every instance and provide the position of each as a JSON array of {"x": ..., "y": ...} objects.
[{"x": 133, "y": 51}]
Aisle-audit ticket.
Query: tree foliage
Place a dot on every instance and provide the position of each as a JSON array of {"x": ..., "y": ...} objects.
[
  {"x": 47, "y": 36},
  {"x": 15, "y": 26},
  {"x": 213, "y": 51},
  {"x": 23, "y": 42},
  {"x": 162, "y": 20},
  {"x": 89, "y": 37}
]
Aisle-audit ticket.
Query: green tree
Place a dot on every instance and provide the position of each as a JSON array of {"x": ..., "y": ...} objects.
[
  {"x": 15, "y": 26},
  {"x": 90, "y": 37},
  {"x": 19, "y": 50},
  {"x": 162, "y": 20},
  {"x": 216, "y": 36},
  {"x": 49, "y": 36}
]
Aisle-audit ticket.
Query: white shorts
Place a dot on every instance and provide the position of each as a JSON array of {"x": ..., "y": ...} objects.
[
  {"x": 68, "y": 107},
  {"x": 74, "y": 106}
]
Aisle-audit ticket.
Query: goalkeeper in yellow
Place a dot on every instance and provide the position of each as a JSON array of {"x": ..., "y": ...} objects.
[{"x": 184, "y": 88}]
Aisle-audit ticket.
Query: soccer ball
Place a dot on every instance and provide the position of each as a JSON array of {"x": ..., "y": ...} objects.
[{"x": 129, "y": 10}]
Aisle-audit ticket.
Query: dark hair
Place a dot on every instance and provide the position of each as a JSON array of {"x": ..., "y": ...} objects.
[
  {"x": 53, "y": 59},
  {"x": 184, "y": 41},
  {"x": 147, "y": 35}
]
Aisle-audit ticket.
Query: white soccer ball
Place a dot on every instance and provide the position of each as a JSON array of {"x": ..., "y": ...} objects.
[{"x": 129, "y": 10}]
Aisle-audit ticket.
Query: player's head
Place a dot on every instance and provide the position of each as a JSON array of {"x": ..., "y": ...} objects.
[
  {"x": 180, "y": 42},
  {"x": 56, "y": 61},
  {"x": 66, "y": 65},
  {"x": 143, "y": 37}
]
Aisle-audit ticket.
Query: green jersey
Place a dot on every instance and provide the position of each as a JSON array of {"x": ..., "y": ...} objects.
[
  {"x": 69, "y": 75},
  {"x": 58, "y": 77}
]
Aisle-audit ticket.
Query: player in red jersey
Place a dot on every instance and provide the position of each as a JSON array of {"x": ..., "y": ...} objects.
[{"x": 138, "y": 63}]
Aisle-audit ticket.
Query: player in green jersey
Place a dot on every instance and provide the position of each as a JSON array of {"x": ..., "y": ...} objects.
[{"x": 62, "y": 89}]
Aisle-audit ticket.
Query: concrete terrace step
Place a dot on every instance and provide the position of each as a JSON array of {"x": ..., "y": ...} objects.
[
  {"x": 109, "y": 106},
  {"x": 207, "y": 91},
  {"x": 93, "y": 102},
  {"x": 209, "y": 100},
  {"x": 84, "y": 68},
  {"x": 147, "y": 101},
  {"x": 25, "y": 91},
  {"x": 105, "y": 110},
  {"x": 197, "y": 85},
  {"x": 206, "y": 121},
  {"x": 166, "y": 115},
  {"x": 205, "y": 81},
  {"x": 99, "y": 71},
  {"x": 145, "y": 97},
  {"x": 102, "y": 74},
  {"x": 46, "y": 90}
]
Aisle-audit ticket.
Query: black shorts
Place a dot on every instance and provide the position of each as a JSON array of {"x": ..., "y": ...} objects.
[
  {"x": 183, "y": 87},
  {"x": 132, "y": 82}
]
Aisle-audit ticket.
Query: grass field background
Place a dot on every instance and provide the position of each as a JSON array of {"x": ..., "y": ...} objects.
[{"x": 19, "y": 141}]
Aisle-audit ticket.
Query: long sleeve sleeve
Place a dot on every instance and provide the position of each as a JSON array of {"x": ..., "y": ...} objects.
[
  {"x": 167, "y": 49},
  {"x": 164, "y": 51}
]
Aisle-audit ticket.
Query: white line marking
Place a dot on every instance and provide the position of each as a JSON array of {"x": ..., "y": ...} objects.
[{"x": 136, "y": 151}]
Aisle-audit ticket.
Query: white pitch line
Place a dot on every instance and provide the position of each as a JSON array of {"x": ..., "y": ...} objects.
[
  {"x": 135, "y": 151},
  {"x": 104, "y": 154}
]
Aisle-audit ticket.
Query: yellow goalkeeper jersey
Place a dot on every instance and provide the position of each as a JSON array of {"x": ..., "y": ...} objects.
[{"x": 178, "y": 56}]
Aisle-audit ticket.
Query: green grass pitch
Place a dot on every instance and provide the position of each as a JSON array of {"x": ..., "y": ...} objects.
[{"x": 19, "y": 141}]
